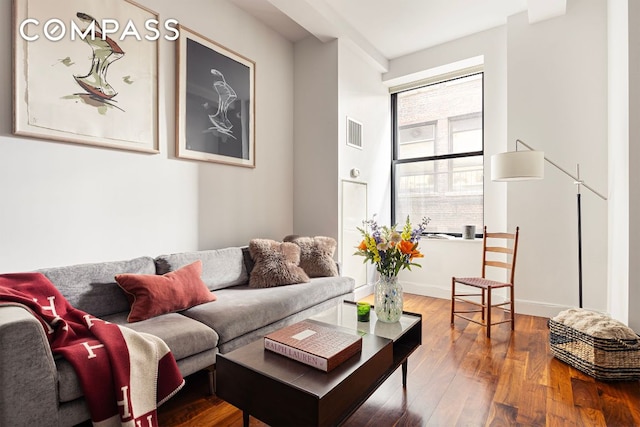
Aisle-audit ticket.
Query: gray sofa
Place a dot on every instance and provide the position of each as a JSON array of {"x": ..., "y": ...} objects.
[{"x": 38, "y": 389}]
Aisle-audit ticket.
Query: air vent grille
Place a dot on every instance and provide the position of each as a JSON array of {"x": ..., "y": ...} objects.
[{"x": 354, "y": 133}]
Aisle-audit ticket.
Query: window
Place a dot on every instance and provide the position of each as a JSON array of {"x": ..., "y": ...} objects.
[{"x": 438, "y": 154}]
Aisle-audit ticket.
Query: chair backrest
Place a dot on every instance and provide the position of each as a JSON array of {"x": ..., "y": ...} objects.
[{"x": 508, "y": 246}]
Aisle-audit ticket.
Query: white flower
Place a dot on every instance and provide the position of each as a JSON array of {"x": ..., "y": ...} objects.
[{"x": 383, "y": 246}]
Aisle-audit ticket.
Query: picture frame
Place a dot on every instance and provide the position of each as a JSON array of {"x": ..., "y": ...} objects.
[
  {"x": 215, "y": 93},
  {"x": 85, "y": 89}
]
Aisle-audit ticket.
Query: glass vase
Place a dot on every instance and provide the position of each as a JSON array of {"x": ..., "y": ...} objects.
[{"x": 388, "y": 299}]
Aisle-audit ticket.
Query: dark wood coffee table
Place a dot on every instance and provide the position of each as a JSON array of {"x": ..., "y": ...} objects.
[{"x": 281, "y": 391}]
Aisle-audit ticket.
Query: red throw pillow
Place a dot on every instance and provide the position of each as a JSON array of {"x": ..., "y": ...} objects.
[{"x": 151, "y": 295}]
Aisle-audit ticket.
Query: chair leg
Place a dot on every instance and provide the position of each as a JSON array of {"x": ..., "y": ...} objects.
[
  {"x": 484, "y": 305},
  {"x": 513, "y": 312},
  {"x": 453, "y": 297},
  {"x": 489, "y": 312}
]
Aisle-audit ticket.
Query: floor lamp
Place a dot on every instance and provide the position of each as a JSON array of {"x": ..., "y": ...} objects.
[{"x": 529, "y": 165}]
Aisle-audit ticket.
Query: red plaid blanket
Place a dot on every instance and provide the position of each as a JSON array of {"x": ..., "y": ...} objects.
[{"x": 125, "y": 375}]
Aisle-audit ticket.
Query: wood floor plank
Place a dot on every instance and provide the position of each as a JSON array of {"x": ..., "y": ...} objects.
[
  {"x": 502, "y": 415},
  {"x": 585, "y": 394},
  {"x": 617, "y": 409},
  {"x": 459, "y": 377},
  {"x": 510, "y": 383},
  {"x": 591, "y": 417},
  {"x": 476, "y": 410},
  {"x": 532, "y": 405}
]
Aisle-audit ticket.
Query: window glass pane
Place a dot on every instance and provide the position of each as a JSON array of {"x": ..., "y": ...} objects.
[
  {"x": 466, "y": 133},
  {"x": 416, "y": 140},
  {"x": 450, "y": 192},
  {"x": 437, "y": 170},
  {"x": 453, "y": 107},
  {"x": 466, "y": 175}
]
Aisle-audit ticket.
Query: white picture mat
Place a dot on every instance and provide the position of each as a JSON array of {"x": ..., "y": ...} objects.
[{"x": 47, "y": 100}]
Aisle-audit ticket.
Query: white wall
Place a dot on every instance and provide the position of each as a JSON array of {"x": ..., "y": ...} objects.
[
  {"x": 557, "y": 83},
  {"x": 316, "y": 139},
  {"x": 546, "y": 84},
  {"x": 444, "y": 259},
  {"x": 631, "y": 303},
  {"x": 632, "y": 298},
  {"x": 364, "y": 98},
  {"x": 65, "y": 203},
  {"x": 618, "y": 50},
  {"x": 333, "y": 81}
]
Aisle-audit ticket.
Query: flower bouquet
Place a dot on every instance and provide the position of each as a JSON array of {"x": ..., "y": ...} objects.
[{"x": 391, "y": 251}]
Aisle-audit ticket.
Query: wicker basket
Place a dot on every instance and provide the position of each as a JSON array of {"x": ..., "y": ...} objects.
[{"x": 602, "y": 358}]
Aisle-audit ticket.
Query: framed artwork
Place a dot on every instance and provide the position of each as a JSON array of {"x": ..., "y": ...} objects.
[
  {"x": 83, "y": 75},
  {"x": 216, "y": 102}
]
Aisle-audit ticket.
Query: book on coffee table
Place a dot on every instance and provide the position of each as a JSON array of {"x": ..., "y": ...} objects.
[{"x": 321, "y": 346}]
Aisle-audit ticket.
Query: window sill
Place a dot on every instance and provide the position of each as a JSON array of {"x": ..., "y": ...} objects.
[{"x": 444, "y": 238}]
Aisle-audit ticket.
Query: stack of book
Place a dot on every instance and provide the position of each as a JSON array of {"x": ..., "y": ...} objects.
[{"x": 321, "y": 346}]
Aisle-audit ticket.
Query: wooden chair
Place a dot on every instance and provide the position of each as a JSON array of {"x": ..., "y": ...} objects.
[{"x": 486, "y": 286}]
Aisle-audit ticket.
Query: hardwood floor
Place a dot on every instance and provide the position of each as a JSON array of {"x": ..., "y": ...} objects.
[{"x": 458, "y": 377}]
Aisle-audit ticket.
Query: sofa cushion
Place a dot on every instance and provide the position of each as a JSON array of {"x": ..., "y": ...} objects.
[
  {"x": 152, "y": 295},
  {"x": 221, "y": 268},
  {"x": 276, "y": 264},
  {"x": 316, "y": 255},
  {"x": 241, "y": 309},
  {"x": 184, "y": 336},
  {"x": 92, "y": 287}
]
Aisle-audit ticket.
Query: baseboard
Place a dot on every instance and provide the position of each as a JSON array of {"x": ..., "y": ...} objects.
[
  {"x": 426, "y": 290},
  {"x": 363, "y": 291},
  {"x": 532, "y": 308},
  {"x": 536, "y": 308}
]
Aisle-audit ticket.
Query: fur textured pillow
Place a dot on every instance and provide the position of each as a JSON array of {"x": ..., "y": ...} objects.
[
  {"x": 276, "y": 264},
  {"x": 316, "y": 255},
  {"x": 152, "y": 295}
]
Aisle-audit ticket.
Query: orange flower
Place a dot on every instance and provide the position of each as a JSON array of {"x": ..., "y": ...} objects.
[
  {"x": 408, "y": 248},
  {"x": 405, "y": 246},
  {"x": 362, "y": 246}
]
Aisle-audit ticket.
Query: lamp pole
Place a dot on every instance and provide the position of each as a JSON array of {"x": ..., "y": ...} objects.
[{"x": 579, "y": 183}]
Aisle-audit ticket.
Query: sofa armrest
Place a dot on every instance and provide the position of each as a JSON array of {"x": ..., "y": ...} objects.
[{"x": 28, "y": 376}]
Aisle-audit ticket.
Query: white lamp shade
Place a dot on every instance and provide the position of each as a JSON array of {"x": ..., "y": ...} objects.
[{"x": 517, "y": 166}]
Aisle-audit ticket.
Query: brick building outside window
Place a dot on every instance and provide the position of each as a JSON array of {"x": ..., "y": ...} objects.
[{"x": 438, "y": 154}]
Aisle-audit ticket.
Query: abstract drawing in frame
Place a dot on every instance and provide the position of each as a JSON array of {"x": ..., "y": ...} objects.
[
  {"x": 216, "y": 102},
  {"x": 98, "y": 90}
]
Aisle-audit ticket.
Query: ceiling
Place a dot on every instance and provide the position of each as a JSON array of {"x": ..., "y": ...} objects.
[{"x": 387, "y": 29}]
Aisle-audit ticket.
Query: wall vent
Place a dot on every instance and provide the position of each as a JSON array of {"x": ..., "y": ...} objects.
[{"x": 354, "y": 133}]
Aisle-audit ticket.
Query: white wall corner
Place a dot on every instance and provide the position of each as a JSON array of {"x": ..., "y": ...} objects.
[
  {"x": 363, "y": 291},
  {"x": 320, "y": 20},
  {"x": 540, "y": 10}
]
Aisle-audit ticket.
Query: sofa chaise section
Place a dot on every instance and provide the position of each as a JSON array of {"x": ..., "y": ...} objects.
[
  {"x": 92, "y": 288},
  {"x": 40, "y": 388}
]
